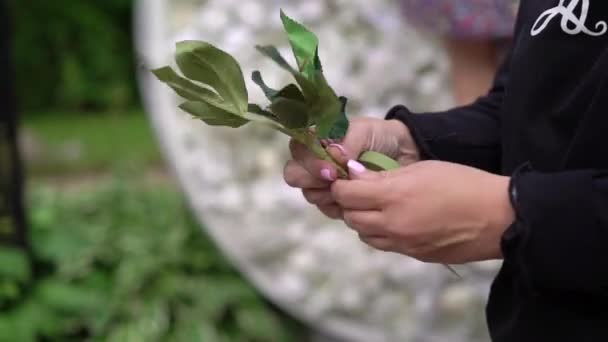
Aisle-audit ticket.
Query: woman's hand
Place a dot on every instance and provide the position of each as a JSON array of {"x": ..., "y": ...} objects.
[
  {"x": 315, "y": 176},
  {"x": 432, "y": 211}
]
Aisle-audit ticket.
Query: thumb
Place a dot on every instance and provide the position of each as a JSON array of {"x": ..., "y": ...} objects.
[
  {"x": 345, "y": 150},
  {"x": 356, "y": 170},
  {"x": 349, "y": 148},
  {"x": 356, "y": 140}
]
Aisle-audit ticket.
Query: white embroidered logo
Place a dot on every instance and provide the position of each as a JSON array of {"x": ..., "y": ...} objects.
[{"x": 569, "y": 18}]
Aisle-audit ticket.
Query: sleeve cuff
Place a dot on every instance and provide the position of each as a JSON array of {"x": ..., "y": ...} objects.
[
  {"x": 452, "y": 136},
  {"x": 416, "y": 126},
  {"x": 556, "y": 242}
]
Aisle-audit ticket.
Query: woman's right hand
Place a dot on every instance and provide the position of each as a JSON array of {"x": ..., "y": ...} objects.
[{"x": 315, "y": 176}]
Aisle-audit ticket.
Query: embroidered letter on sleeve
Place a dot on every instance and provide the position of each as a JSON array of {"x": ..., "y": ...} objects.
[{"x": 570, "y": 24}]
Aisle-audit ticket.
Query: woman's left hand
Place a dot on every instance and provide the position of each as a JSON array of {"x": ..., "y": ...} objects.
[{"x": 432, "y": 211}]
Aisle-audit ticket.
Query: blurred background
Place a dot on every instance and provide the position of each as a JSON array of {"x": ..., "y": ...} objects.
[{"x": 114, "y": 224}]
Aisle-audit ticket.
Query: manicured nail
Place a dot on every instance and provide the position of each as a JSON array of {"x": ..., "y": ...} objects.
[
  {"x": 326, "y": 174},
  {"x": 356, "y": 167},
  {"x": 339, "y": 147}
]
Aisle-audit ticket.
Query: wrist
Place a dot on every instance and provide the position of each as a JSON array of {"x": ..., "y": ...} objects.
[{"x": 408, "y": 150}]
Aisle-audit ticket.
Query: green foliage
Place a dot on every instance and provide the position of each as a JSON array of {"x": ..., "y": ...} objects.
[
  {"x": 188, "y": 90},
  {"x": 327, "y": 109},
  {"x": 221, "y": 99},
  {"x": 203, "y": 62},
  {"x": 292, "y": 114},
  {"x": 305, "y": 45},
  {"x": 15, "y": 272},
  {"x": 211, "y": 115},
  {"x": 126, "y": 263},
  {"x": 14, "y": 265},
  {"x": 341, "y": 126},
  {"x": 74, "y": 55},
  {"x": 209, "y": 71},
  {"x": 257, "y": 78},
  {"x": 207, "y": 68}
]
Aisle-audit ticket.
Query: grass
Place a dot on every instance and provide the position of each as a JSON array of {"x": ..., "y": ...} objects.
[{"x": 78, "y": 143}]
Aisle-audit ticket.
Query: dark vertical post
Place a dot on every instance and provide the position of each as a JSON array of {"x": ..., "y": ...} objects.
[{"x": 12, "y": 213}]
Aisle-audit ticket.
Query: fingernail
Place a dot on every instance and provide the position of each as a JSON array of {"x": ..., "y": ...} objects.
[
  {"x": 339, "y": 147},
  {"x": 356, "y": 167},
  {"x": 326, "y": 174}
]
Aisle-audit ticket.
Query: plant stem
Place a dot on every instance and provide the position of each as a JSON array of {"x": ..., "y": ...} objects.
[
  {"x": 322, "y": 153},
  {"x": 312, "y": 142}
]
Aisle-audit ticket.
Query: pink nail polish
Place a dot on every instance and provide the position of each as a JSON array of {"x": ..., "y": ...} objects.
[
  {"x": 339, "y": 147},
  {"x": 356, "y": 167},
  {"x": 326, "y": 174}
]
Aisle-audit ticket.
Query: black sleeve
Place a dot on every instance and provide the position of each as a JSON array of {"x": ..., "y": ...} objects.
[
  {"x": 468, "y": 135},
  {"x": 559, "y": 241}
]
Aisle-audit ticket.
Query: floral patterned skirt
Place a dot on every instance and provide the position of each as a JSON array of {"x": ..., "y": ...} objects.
[{"x": 482, "y": 19}]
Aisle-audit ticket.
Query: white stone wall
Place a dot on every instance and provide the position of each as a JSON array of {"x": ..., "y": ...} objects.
[{"x": 313, "y": 267}]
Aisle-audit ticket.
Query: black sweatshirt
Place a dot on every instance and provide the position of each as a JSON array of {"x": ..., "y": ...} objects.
[{"x": 545, "y": 123}]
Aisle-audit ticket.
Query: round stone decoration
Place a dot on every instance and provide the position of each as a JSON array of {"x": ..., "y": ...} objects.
[{"x": 313, "y": 267}]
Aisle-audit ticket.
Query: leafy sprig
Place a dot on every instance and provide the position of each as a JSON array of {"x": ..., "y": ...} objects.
[{"x": 214, "y": 91}]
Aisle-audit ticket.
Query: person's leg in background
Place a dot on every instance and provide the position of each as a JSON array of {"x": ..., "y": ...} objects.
[
  {"x": 473, "y": 65},
  {"x": 475, "y": 34}
]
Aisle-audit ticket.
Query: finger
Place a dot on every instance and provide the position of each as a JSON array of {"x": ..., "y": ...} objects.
[
  {"x": 297, "y": 177},
  {"x": 377, "y": 242},
  {"x": 351, "y": 146},
  {"x": 316, "y": 167},
  {"x": 357, "y": 170},
  {"x": 359, "y": 194},
  {"x": 332, "y": 211},
  {"x": 318, "y": 196},
  {"x": 367, "y": 223}
]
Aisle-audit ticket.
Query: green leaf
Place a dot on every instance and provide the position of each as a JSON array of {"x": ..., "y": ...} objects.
[
  {"x": 292, "y": 92},
  {"x": 291, "y": 113},
  {"x": 340, "y": 128},
  {"x": 270, "y": 93},
  {"x": 191, "y": 91},
  {"x": 273, "y": 53},
  {"x": 326, "y": 108},
  {"x": 304, "y": 44},
  {"x": 309, "y": 89},
  {"x": 184, "y": 87},
  {"x": 256, "y": 109},
  {"x": 213, "y": 116},
  {"x": 376, "y": 161},
  {"x": 203, "y": 62},
  {"x": 318, "y": 65},
  {"x": 14, "y": 265},
  {"x": 308, "y": 86}
]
